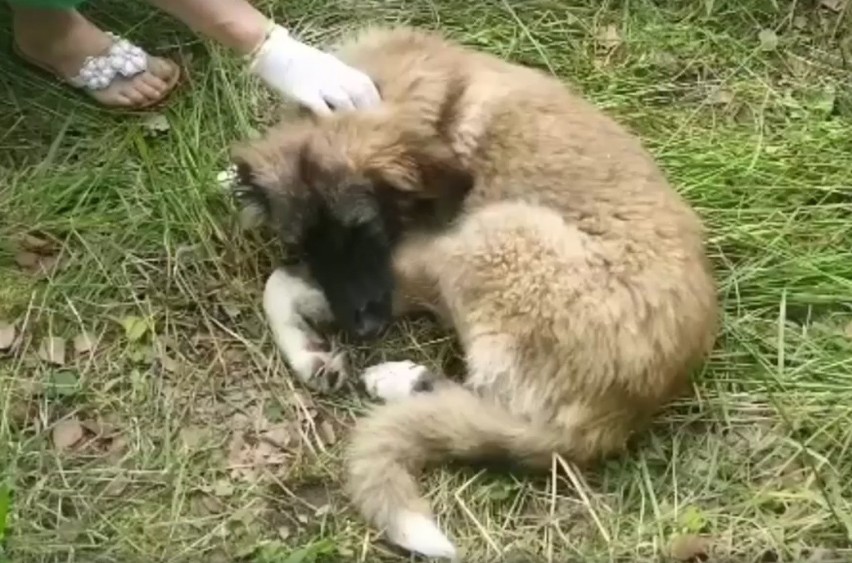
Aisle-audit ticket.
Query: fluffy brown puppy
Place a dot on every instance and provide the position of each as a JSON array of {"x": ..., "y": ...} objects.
[{"x": 539, "y": 229}]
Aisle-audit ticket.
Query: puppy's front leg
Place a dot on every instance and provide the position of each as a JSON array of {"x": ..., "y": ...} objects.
[{"x": 291, "y": 304}]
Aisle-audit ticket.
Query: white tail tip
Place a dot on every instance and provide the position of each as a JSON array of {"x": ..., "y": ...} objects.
[{"x": 419, "y": 533}]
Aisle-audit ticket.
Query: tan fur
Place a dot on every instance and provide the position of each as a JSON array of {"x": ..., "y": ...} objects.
[{"x": 575, "y": 277}]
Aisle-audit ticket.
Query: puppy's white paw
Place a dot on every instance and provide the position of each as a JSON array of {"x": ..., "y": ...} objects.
[
  {"x": 319, "y": 370},
  {"x": 289, "y": 302},
  {"x": 392, "y": 381},
  {"x": 417, "y": 532}
]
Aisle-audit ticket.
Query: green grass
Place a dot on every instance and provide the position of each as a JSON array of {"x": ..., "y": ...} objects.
[{"x": 156, "y": 268}]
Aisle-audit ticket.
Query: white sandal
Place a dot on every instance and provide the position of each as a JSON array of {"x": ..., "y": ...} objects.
[{"x": 123, "y": 60}]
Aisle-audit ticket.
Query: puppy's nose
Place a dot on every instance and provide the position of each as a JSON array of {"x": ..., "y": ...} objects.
[{"x": 369, "y": 321}]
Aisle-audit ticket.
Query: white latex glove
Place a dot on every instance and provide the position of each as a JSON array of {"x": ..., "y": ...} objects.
[{"x": 316, "y": 79}]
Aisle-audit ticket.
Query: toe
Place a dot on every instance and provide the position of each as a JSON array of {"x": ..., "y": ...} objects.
[
  {"x": 132, "y": 93},
  {"x": 163, "y": 70},
  {"x": 149, "y": 92}
]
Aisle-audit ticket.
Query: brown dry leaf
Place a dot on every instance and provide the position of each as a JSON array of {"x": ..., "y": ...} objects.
[
  {"x": 280, "y": 435},
  {"x": 326, "y": 432},
  {"x": 169, "y": 364},
  {"x": 115, "y": 487},
  {"x": 70, "y": 530},
  {"x": 35, "y": 243},
  {"x": 833, "y": 5},
  {"x": 247, "y": 461},
  {"x": 231, "y": 309},
  {"x": 84, "y": 343},
  {"x": 7, "y": 335},
  {"x": 116, "y": 449},
  {"x": 192, "y": 436},
  {"x": 223, "y": 488},
  {"x": 156, "y": 123},
  {"x": 26, "y": 260},
  {"x": 609, "y": 37},
  {"x": 768, "y": 39},
  {"x": 66, "y": 433},
  {"x": 52, "y": 350},
  {"x": 219, "y": 556},
  {"x": 689, "y": 547},
  {"x": 38, "y": 265},
  {"x": 212, "y": 504},
  {"x": 95, "y": 427},
  {"x": 21, "y": 413},
  {"x": 720, "y": 97}
]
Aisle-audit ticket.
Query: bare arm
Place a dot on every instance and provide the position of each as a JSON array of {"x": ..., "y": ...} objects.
[{"x": 235, "y": 24}]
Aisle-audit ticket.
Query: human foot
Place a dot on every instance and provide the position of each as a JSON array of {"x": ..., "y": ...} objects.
[{"x": 112, "y": 71}]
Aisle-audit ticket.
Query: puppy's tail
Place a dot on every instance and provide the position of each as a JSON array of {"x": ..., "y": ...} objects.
[{"x": 392, "y": 444}]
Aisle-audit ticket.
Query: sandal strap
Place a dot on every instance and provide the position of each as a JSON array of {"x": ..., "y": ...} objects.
[{"x": 122, "y": 59}]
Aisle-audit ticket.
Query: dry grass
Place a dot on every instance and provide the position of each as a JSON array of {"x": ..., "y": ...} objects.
[{"x": 197, "y": 446}]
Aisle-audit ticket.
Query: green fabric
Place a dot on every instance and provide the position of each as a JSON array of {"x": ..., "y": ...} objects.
[{"x": 54, "y": 4}]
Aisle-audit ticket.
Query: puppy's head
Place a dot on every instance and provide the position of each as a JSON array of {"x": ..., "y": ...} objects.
[{"x": 341, "y": 191}]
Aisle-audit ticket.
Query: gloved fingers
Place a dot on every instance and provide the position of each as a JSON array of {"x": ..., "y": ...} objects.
[
  {"x": 338, "y": 99},
  {"x": 364, "y": 93},
  {"x": 313, "y": 101}
]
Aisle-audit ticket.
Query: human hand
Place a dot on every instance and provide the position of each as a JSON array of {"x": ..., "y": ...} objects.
[{"x": 318, "y": 80}]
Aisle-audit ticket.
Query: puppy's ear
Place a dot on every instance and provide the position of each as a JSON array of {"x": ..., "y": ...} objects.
[
  {"x": 424, "y": 170},
  {"x": 272, "y": 190}
]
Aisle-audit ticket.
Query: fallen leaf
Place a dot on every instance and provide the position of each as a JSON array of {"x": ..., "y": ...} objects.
[
  {"x": 134, "y": 327},
  {"x": 94, "y": 427},
  {"x": 26, "y": 259},
  {"x": 66, "y": 433},
  {"x": 609, "y": 37},
  {"x": 231, "y": 309},
  {"x": 37, "y": 264},
  {"x": 84, "y": 342},
  {"x": 70, "y": 530},
  {"x": 280, "y": 435},
  {"x": 768, "y": 40},
  {"x": 35, "y": 243},
  {"x": 169, "y": 364},
  {"x": 223, "y": 488},
  {"x": 7, "y": 335},
  {"x": 21, "y": 413},
  {"x": 326, "y": 432},
  {"x": 64, "y": 383},
  {"x": 273, "y": 411},
  {"x": 211, "y": 504},
  {"x": 833, "y": 5},
  {"x": 823, "y": 555},
  {"x": 157, "y": 122},
  {"x": 193, "y": 435},
  {"x": 47, "y": 265},
  {"x": 689, "y": 547},
  {"x": 824, "y": 101},
  {"x": 720, "y": 97},
  {"x": 115, "y": 487},
  {"x": 219, "y": 556},
  {"x": 284, "y": 532},
  {"x": 52, "y": 350},
  {"x": 116, "y": 448}
]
